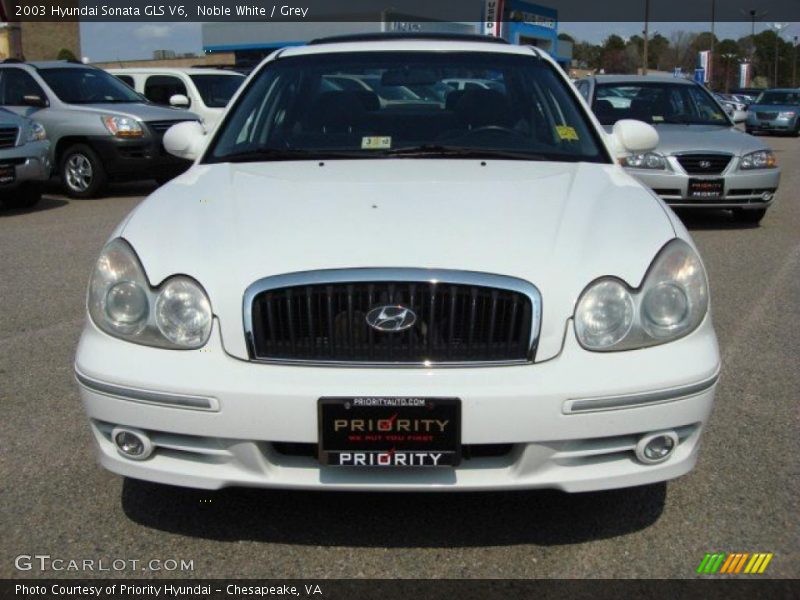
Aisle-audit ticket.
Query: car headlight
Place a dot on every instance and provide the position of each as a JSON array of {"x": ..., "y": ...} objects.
[
  {"x": 789, "y": 114},
  {"x": 671, "y": 303},
  {"x": 123, "y": 127},
  {"x": 648, "y": 160},
  {"x": 36, "y": 132},
  {"x": 121, "y": 302},
  {"x": 761, "y": 159}
]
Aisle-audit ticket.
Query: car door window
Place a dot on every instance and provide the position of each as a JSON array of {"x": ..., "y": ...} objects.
[
  {"x": 160, "y": 88},
  {"x": 15, "y": 84}
]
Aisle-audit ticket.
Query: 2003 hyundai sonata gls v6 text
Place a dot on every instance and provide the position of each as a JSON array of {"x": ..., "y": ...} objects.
[{"x": 344, "y": 293}]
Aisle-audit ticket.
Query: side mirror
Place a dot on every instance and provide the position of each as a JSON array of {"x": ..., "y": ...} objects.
[
  {"x": 633, "y": 137},
  {"x": 179, "y": 101},
  {"x": 739, "y": 116},
  {"x": 185, "y": 140},
  {"x": 35, "y": 101}
]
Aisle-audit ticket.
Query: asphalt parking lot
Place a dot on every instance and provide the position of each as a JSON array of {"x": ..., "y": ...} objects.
[{"x": 742, "y": 497}]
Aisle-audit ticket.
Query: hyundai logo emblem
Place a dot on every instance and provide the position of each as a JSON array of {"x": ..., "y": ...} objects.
[
  {"x": 705, "y": 164},
  {"x": 391, "y": 319}
]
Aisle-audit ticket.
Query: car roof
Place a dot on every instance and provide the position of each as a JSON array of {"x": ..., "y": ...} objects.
[
  {"x": 58, "y": 64},
  {"x": 389, "y": 43},
  {"x": 171, "y": 71},
  {"x": 641, "y": 79}
]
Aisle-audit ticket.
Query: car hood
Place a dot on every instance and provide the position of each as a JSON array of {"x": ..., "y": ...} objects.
[
  {"x": 137, "y": 110},
  {"x": 557, "y": 225},
  {"x": 675, "y": 139}
]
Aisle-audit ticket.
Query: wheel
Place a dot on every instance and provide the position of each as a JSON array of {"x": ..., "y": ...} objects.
[
  {"x": 82, "y": 172},
  {"x": 24, "y": 197},
  {"x": 749, "y": 216}
]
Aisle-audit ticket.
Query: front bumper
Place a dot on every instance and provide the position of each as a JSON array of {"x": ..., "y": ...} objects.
[
  {"x": 753, "y": 123},
  {"x": 561, "y": 418},
  {"x": 742, "y": 189},
  {"x": 126, "y": 159},
  {"x": 31, "y": 163}
]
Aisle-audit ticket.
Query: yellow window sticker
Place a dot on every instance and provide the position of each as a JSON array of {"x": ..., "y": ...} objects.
[
  {"x": 657, "y": 119},
  {"x": 565, "y": 132},
  {"x": 376, "y": 142}
]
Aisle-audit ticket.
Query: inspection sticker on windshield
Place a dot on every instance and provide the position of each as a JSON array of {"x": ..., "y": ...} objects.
[
  {"x": 565, "y": 132},
  {"x": 657, "y": 119},
  {"x": 376, "y": 142}
]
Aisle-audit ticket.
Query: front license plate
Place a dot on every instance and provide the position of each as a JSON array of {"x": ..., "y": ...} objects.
[
  {"x": 390, "y": 432},
  {"x": 705, "y": 189},
  {"x": 7, "y": 174}
]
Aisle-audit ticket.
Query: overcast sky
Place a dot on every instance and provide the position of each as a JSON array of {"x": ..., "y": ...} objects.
[{"x": 102, "y": 41}]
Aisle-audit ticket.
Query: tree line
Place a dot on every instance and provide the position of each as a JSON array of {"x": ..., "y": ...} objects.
[{"x": 617, "y": 55}]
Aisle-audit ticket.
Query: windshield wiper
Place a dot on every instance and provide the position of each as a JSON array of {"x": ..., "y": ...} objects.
[
  {"x": 270, "y": 154},
  {"x": 461, "y": 152}
]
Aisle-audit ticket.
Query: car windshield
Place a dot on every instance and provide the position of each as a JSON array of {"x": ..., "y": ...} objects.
[
  {"x": 217, "y": 90},
  {"x": 657, "y": 103},
  {"x": 780, "y": 98},
  {"x": 87, "y": 86},
  {"x": 363, "y": 105}
]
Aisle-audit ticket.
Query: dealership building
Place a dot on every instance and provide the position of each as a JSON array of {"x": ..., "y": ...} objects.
[{"x": 517, "y": 21}]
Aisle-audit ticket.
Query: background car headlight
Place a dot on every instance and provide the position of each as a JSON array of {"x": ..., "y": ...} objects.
[
  {"x": 671, "y": 303},
  {"x": 761, "y": 159},
  {"x": 123, "y": 127},
  {"x": 122, "y": 303},
  {"x": 648, "y": 160},
  {"x": 36, "y": 132},
  {"x": 789, "y": 114}
]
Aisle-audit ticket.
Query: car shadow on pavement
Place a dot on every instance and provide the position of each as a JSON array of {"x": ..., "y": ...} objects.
[
  {"x": 711, "y": 219},
  {"x": 396, "y": 520},
  {"x": 46, "y": 203}
]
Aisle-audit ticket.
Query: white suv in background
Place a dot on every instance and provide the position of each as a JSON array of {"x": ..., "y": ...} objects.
[{"x": 205, "y": 92}]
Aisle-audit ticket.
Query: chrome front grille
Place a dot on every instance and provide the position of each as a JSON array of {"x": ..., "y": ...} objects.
[
  {"x": 461, "y": 318},
  {"x": 766, "y": 116},
  {"x": 704, "y": 164}
]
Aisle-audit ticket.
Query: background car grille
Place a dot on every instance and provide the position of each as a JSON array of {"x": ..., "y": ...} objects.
[
  {"x": 8, "y": 136},
  {"x": 767, "y": 116},
  {"x": 161, "y": 126},
  {"x": 695, "y": 164},
  {"x": 455, "y": 323}
]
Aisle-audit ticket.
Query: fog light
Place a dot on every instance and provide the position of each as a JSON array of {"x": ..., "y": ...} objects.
[
  {"x": 766, "y": 196},
  {"x": 656, "y": 447},
  {"x": 132, "y": 443}
]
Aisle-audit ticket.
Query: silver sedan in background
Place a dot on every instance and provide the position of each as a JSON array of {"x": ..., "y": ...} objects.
[{"x": 702, "y": 159}]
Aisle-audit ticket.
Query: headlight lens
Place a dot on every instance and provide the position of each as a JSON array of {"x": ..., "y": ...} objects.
[
  {"x": 36, "y": 132},
  {"x": 183, "y": 313},
  {"x": 604, "y": 315},
  {"x": 761, "y": 159},
  {"x": 671, "y": 303},
  {"x": 123, "y": 127},
  {"x": 122, "y": 303},
  {"x": 648, "y": 160},
  {"x": 789, "y": 114}
]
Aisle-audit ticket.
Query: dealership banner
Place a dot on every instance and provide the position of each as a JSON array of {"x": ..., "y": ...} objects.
[
  {"x": 487, "y": 11},
  {"x": 398, "y": 589}
]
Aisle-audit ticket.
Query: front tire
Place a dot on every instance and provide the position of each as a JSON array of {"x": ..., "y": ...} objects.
[
  {"x": 749, "y": 216},
  {"x": 26, "y": 196},
  {"x": 82, "y": 172}
]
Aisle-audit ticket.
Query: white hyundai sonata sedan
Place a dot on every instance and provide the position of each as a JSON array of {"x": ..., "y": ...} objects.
[{"x": 459, "y": 290}]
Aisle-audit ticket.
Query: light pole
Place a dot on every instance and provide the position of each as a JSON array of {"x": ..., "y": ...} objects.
[
  {"x": 794, "y": 62},
  {"x": 646, "y": 27},
  {"x": 711, "y": 53},
  {"x": 777, "y": 28},
  {"x": 728, "y": 56}
]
